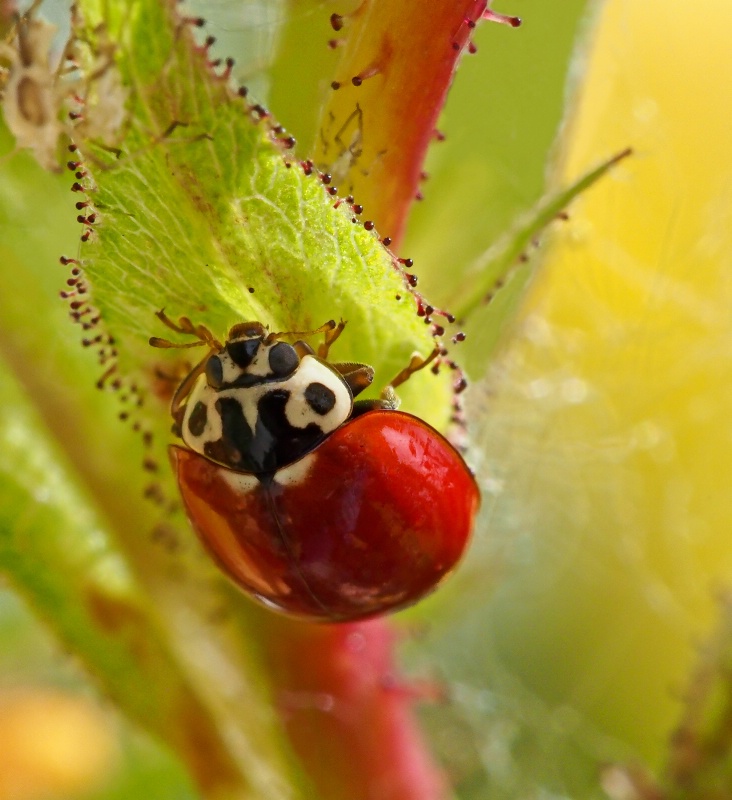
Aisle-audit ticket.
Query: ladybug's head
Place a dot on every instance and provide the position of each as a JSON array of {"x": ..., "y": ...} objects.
[{"x": 251, "y": 355}]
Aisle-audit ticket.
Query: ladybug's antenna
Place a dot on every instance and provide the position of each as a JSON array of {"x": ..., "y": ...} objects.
[
  {"x": 164, "y": 344},
  {"x": 330, "y": 329},
  {"x": 326, "y": 328},
  {"x": 185, "y": 326}
]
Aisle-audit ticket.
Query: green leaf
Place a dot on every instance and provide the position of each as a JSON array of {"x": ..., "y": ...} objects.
[
  {"x": 213, "y": 220},
  {"x": 63, "y": 442},
  {"x": 59, "y": 552}
]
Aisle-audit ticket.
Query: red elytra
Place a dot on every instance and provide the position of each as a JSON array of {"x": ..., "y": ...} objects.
[{"x": 379, "y": 513}]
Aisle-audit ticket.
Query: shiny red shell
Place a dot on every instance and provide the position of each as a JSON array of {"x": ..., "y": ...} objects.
[{"x": 383, "y": 513}]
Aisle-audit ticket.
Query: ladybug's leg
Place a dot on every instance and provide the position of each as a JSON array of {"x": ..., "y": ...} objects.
[
  {"x": 357, "y": 376},
  {"x": 389, "y": 400},
  {"x": 332, "y": 332},
  {"x": 330, "y": 336},
  {"x": 330, "y": 329},
  {"x": 177, "y": 403},
  {"x": 384, "y": 403},
  {"x": 416, "y": 363},
  {"x": 303, "y": 348}
]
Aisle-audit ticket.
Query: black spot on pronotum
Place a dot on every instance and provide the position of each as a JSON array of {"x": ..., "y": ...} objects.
[
  {"x": 197, "y": 420},
  {"x": 285, "y": 442},
  {"x": 320, "y": 398},
  {"x": 235, "y": 445}
]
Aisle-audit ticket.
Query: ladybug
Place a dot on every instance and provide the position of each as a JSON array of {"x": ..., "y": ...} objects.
[{"x": 315, "y": 504}]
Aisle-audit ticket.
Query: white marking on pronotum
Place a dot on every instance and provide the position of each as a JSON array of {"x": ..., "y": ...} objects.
[
  {"x": 291, "y": 475},
  {"x": 299, "y": 412},
  {"x": 297, "y": 473},
  {"x": 240, "y": 482}
]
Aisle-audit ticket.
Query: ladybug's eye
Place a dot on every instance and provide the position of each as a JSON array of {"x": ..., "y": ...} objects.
[
  {"x": 214, "y": 372},
  {"x": 283, "y": 359},
  {"x": 242, "y": 351}
]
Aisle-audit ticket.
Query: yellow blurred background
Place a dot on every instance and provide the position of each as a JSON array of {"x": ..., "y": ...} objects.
[{"x": 608, "y": 420}]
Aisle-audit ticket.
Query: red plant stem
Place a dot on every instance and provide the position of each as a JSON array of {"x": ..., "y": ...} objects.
[
  {"x": 398, "y": 62},
  {"x": 348, "y": 714}
]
